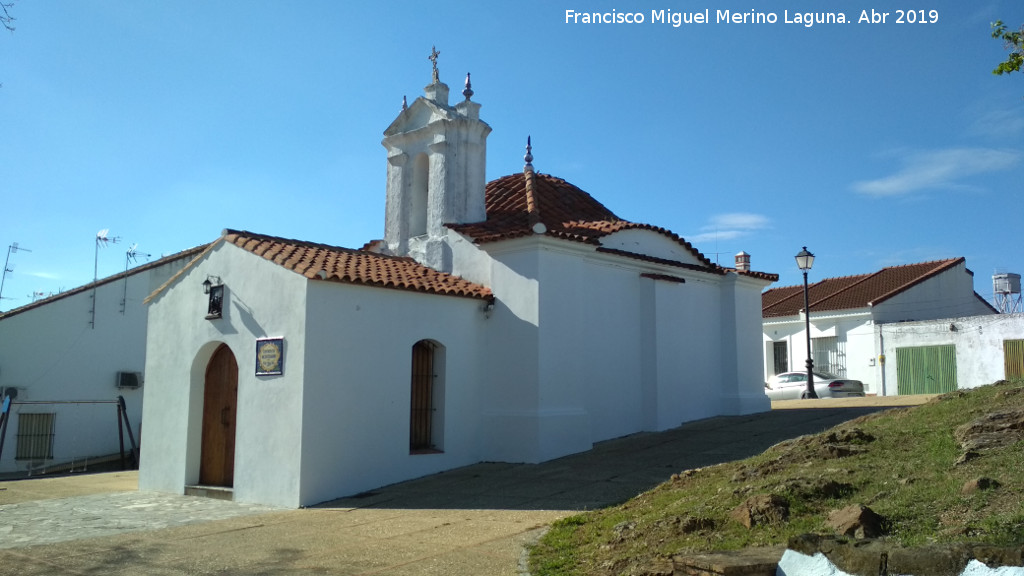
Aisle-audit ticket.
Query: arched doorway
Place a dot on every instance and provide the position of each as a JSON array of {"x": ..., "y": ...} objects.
[{"x": 220, "y": 395}]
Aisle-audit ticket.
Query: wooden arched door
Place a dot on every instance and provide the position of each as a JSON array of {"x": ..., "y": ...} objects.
[{"x": 220, "y": 400}]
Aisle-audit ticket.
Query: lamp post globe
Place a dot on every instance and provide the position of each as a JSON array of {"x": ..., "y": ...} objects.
[{"x": 804, "y": 261}]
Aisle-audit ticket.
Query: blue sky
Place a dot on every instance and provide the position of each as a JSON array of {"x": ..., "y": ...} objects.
[{"x": 166, "y": 122}]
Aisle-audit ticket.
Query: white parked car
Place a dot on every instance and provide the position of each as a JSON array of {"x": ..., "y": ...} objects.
[{"x": 793, "y": 385}]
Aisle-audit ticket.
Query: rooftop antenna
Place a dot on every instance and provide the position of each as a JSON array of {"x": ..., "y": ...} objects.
[
  {"x": 130, "y": 256},
  {"x": 718, "y": 252},
  {"x": 10, "y": 249},
  {"x": 102, "y": 239}
]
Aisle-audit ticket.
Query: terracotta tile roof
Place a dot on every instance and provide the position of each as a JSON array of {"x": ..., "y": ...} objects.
[
  {"x": 517, "y": 201},
  {"x": 849, "y": 292},
  {"x": 335, "y": 264}
]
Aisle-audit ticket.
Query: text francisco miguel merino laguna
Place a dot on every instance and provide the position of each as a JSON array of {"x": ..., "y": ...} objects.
[{"x": 808, "y": 19}]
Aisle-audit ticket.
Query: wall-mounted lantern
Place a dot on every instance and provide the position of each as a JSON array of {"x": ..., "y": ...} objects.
[{"x": 214, "y": 288}]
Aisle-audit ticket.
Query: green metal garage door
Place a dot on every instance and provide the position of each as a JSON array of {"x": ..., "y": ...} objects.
[
  {"x": 926, "y": 369},
  {"x": 1013, "y": 358}
]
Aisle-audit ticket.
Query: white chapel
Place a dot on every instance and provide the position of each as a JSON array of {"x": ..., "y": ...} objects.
[{"x": 515, "y": 320}]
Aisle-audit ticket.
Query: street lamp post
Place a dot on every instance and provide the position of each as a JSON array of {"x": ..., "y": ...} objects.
[{"x": 804, "y": 261}]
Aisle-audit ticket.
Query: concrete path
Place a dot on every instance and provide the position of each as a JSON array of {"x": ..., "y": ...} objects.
[{"x": 473, "y": 520}]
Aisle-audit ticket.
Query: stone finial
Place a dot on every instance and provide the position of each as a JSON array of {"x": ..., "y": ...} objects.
[
  {"x": 468, "y": 92},
  {"x": 528, "y": 158},
  {"x": 433, "y": 60},
  {"x": 405, "y": 103}
]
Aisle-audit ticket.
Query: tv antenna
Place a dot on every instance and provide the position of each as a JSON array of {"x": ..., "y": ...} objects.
[
  {"x": 130, "y": 256},
  {"x": 7, "y": 268},
  {"x": 102, "y": 239}
]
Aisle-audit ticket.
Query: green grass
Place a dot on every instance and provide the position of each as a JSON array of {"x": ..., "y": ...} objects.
[{"x": 906, "y": 473}]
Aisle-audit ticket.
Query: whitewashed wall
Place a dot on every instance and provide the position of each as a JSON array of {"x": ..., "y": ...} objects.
[
  {"x": 357, "y": 398},
  {"x": 51, "y": 353},
  {"x": 741, "y": 310},
  {"x": 260, "y": 301},
  {"x": 854, "y": 328},
  {"x": 947, "y": 295},
  {"x": 618, "y": 353},
  {"x": 978, "y": 341}
]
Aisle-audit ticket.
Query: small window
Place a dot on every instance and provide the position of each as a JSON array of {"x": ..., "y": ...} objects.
[
  {"x": 35, "y": 436},
  {"x": 426, "y": 418}
]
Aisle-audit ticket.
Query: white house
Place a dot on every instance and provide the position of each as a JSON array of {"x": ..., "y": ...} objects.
[
  {"x": 517, "y": 320},
  {"x": 846, "y": 313},
  {"x": 62, "y": 354},
  {"x": 950, "y": 353}
]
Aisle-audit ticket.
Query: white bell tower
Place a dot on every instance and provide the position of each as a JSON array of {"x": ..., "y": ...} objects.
[{"x": 436, "y": 172}]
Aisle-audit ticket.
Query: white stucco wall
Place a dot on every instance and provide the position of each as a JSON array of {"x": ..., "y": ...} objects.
[
  {"x": 742, "y": 353},
  {"x": 978, "y": 341},
  {"x": 946, "y": 295},
  {"x": 260, "y": 301},
  {"x": 51, "y": 352},
  {"x": 356, "y": 408},
  {"x": 617, "y": 353},
  {"x": 853, "y": 329},
  {"x": 641, "y": 241}
]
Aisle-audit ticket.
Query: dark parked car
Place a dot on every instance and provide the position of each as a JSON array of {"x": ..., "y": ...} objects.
[{"x": 792, "y": 385}]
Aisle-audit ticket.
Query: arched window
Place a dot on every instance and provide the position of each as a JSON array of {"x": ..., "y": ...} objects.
[{"x": 426, "y": 418}]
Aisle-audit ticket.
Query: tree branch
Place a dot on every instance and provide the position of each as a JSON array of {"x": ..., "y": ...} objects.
[
  {"x": 6, "y": 19},
  {"x": 1012, "y": 41}
]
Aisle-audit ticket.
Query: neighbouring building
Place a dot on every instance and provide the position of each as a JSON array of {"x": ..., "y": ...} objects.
[
  {"x": 65, "y": 359},
  {"x": 514, "y": 320},
  {"x": 942, "y": 355},
  {"x": 847, "y": 313}
]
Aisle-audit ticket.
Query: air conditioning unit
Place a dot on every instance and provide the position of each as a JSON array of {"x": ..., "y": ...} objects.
[{"x": 130, "y": 380}]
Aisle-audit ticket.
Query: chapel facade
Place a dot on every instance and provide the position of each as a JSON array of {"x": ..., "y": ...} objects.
[{"x": 515, "y": 320}]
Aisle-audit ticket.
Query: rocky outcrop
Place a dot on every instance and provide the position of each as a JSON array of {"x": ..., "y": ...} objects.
[
  {"x": 857, "y": 521},
  {"x": 993, "y": 430},
  {"x": 761, "y": 509}
]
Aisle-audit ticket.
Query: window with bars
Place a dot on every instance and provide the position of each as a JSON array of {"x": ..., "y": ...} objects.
[
  {"x": 426, "y": 417},
  {"x": 35, "y": 436},
  {"x": 829, "y": 354}
]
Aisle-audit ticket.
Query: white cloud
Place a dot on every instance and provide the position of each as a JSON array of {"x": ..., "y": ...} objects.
[
  {"x": 998, "y": 124},
  {"x": 938, "y": 169},
  {"x": 730, "y": 226}
]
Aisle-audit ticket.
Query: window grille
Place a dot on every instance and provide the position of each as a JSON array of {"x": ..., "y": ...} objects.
[
  {"x": 781, "y": 354},
  {"x": 422, "y": 396},
  {"x": 35, "y": 436},
  {"x": 829, "y": 355}
]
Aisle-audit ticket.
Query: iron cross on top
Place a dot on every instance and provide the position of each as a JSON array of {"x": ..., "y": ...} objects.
[{"x": 433, "y": 60}]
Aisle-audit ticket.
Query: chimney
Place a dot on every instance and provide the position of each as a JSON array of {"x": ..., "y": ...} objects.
[{"x": 743, "y": 262}]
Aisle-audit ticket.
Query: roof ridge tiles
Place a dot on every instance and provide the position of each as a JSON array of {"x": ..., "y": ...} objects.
[
  {"x": 941, "y": 265},
  {"x": 857, "y": 290}
]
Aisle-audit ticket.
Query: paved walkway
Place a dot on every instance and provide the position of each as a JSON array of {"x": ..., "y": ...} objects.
[{"x": 473, "y": 520}]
